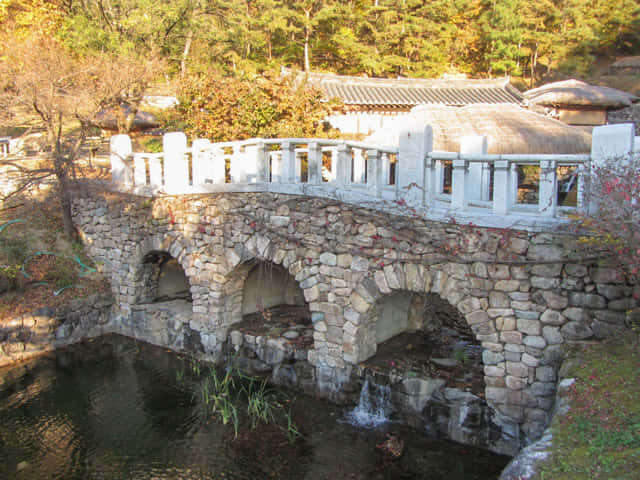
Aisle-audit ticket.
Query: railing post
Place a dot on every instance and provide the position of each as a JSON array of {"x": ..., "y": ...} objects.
[
  {"x": 479, "y": 173},
  {"x": 609, "y": 142},
  {"x": 459, "y": 184},
  {"x": 259, "y": 157},
  {"x": 217, "y": 166},
  {"x": 374, "y": 173},
  {"x": 314, "y": 158},
  {"x": 358, "y": 166},
  {"x": 139, "y": 170},
  {"x": 414, "y": 143},
  {"x": 430, "y": 181},
  {"x": 343, "y": 174},
  {"x": 121, "y": 172},
  {"x": 176, "y": 167},
  {"x": 548, "y": 189},
  {"x": 155, "y": 173},
  {"x": 199, "y": 160},
  {"x": 288, "y": 163},
  {"x": 502, "y": 187}
]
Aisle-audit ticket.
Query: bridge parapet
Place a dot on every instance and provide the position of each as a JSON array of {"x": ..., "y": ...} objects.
[{"x": 532, "y": 192}]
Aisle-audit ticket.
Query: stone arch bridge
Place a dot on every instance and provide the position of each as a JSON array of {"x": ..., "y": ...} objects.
[
  {"x": 524, "y": 295},
  {"x": 344, "y": 223}
]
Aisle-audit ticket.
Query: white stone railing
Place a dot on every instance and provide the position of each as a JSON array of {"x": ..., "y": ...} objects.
[{"x": 520, "y": 191}]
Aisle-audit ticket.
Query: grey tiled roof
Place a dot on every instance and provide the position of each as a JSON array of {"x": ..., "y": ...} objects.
[{"x": 410, "y": 92}]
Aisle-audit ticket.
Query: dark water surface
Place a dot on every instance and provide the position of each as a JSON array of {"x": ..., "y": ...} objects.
[{"x": 117, "y": 409}]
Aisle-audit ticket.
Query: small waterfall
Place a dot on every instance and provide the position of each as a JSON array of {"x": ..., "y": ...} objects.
[{"x": 374, "y": 405}]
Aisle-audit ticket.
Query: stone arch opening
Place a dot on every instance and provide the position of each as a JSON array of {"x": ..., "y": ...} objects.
[
  {"x": 271, "y": 329},
  {"x": 163, "y": 279},
  {"x": 270, "y": 286},
  {"x": 424, "y": 334}
]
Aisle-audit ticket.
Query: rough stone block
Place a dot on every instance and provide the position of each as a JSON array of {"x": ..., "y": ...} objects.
[
  {"x": 552, "y": 317},
  {"x": 534, "y": 341},
  {"x": 576, "y": 331},
  {"x": 555, "y": 300},
  {"x": 517, "y": 369},
  {"x": 587, "y": 300},
  {"x": 529, "y": 327},
  {"x": 552, "y": 335},
  {"x": 577, "y": 314},
  {"x": 507, "y": 285}
]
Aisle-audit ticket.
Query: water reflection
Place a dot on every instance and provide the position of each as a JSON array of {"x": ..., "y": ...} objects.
[{"x": 117, "y": 409}]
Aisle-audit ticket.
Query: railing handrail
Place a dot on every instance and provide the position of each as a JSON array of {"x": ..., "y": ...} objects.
[
  {"x": 328, "y": 142},
  {"x": 520, "y": 158},
  {"x": 467, "y": 185}
]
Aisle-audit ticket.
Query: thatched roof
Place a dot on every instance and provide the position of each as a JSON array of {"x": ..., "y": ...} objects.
[
  {"x": 106, "y": 120},
  {"x": 575, "y": 93},
  {"x": 508, "y": 128},
  {"x": 628, "y": 62}
]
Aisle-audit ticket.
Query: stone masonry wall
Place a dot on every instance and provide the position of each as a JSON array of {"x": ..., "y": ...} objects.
[
  {"x": 32, "y": 334},
  {"x": 524, "y": 295}
]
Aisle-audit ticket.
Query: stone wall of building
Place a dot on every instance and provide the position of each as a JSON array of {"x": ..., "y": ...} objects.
[
  {"x": 29, "y": 335},
  {"x": 525, "y": 295}
]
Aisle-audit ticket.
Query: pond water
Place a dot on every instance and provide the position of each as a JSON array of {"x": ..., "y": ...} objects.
[{"x": 114, "y": 408}]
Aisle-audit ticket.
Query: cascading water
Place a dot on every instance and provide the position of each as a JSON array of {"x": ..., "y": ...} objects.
[{"x": 374, "y": 405}]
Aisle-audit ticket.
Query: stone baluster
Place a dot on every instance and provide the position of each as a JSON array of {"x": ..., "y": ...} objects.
[
  {"x": 121, "y": 171},
  {"x": 430, "y": 181},
  {"x": 176, "y": 167},
  {"x": 217, "y": 171},
  {"x": 548, "y": 188},
  {"x": 343, "y": 171},
  {"x": 374, "y": 173},
  {"x": 385, "y": 166},
  {"x": 139, "y": 170},
  {"x": 333, "y": 174},
  {"x": 275, "y": 160},
  {"x": 314, "y": 175},
  {"x": 359, "y": 171},
  {"x": 288, "y": 162},
  {"x": 199, "y": 160},
  {"x": 298, "y": 164},
  {"x": 459, "y": 183},
  {"x": 258, "y": 156},
  {"x": 414, "y": 144},
  {"x": 502, "y": 187},
  {"x": 479, "y": 174},
  {"x": 155, "y": 172}
]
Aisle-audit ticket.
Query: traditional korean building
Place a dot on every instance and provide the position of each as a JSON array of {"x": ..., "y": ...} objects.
[
  {"x": 578, "y": 103},
  {"x": 369, "y": 103}
]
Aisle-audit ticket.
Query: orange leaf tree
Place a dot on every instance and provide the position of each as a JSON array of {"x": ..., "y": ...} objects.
[{"x": 227, "y": 108}]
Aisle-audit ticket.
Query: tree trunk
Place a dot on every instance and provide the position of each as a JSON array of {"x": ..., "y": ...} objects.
[
  {"x": 307, "y": 35},
  {"x": 64, "y": 195},
  {"x": 185, "y": 54}
]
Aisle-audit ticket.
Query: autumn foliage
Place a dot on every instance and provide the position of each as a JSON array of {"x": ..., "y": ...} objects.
[
  {"x": 615, "y": 192},
  {"x": 228, "y": 108}
]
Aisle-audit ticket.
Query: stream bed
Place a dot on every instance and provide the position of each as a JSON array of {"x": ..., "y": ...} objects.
[{"x": 114, "y": 408}]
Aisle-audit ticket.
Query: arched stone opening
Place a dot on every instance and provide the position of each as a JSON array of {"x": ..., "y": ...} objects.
[
  {"x": 269, "y": 286},
  {"x": 424, "y": 334},
  {"x": 270, "y": 329},
  {"x": 162, "y": 279}
]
